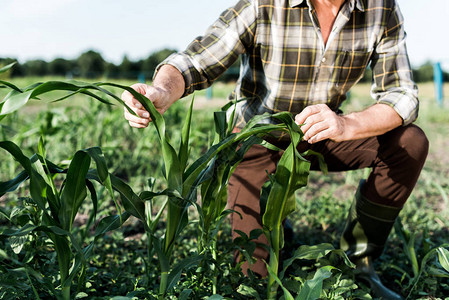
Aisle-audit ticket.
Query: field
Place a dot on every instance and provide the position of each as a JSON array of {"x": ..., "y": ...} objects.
[{"x": 124, "y": 263}]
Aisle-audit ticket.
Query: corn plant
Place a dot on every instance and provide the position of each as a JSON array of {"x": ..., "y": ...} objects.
[
  {"x": 58, "y": 206},
  {"x": 211, "y": 172},
  {"x": 437, "y": 257}
]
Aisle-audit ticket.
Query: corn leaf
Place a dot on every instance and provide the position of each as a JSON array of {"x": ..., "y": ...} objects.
[
  {"x": 287, "y": 294},
  {"x": 37, "y": 183},
  {"x": 184, "y": 148},
  {"x": 13, "y": 184},
  {"x": 289, "y": 176},
  {"x": 110, "y": 223},
  {"x": 7, "y": 67},
  {"x": 25, "y": 230},
  {"x": 74, "y": 191},
  {"x": 131, "y": 201},
  {"x": 11, "y": 86},
  {"x": 314, "y": 252},
  {"x": 15, "y": 102},
  {"x": 443, "y": 257},
  {"x": 312, "y": 288},
  {"x": 175, "y": 273}
]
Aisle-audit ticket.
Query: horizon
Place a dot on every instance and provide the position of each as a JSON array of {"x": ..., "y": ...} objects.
[{"x": 51, "y": 29}]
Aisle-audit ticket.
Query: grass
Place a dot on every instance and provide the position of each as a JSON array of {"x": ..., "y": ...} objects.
[{"x": 119, "y": 263}]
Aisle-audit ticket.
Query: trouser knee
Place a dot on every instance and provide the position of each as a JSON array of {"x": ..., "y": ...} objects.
[{"x": 401, "y": 157}]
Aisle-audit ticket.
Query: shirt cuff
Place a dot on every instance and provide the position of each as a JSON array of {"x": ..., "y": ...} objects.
[
  {"x": 186, "y": 66},
  {"x": 404, "y": 103}
]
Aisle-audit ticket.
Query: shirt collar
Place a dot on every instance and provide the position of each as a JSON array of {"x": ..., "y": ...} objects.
[{"x": 359, "y": 4}]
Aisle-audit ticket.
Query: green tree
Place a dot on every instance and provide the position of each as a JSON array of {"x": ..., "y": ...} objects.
[
  {"x": 424, "y": 73},
  {"x": 91, "y": 64},
  {"x": 37, "y": 67},
  {"x": 129, "y": 69},
  {"x": 150, "y": 63},
  {"x": 61, "y": 67},
  {"x": 112, "y": 71}
]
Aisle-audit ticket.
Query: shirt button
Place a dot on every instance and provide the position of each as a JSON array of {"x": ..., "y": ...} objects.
[{"x": 323, "y": 59}]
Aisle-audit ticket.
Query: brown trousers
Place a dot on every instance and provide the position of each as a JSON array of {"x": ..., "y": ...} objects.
[{"x": 396, "y": 159}]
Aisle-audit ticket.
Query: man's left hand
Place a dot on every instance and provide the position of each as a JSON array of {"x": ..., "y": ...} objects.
[{"x": 321, "y": 123}]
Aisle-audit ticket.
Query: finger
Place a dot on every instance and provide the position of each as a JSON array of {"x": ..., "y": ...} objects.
[
  {"x": 137, "y": 125},
  {"x": 143, "y": 113},
  {"x": 307, "y": 112},
  {"x": 311, "y": 121},
  {"x": 315, "y": 129},
  {"x": 136, "y": 119},
  {"x": 320, "y": 136}
]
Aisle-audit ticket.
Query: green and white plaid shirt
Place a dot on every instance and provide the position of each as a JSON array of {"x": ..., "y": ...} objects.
[{"x": 285, "y": 65}]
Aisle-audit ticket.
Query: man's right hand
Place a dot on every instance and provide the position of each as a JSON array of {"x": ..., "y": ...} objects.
[
  {"x": 167, "y": 88},
  {"x": 158, "y": 96}
]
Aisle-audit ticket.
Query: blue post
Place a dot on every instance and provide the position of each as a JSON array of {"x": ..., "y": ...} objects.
[
  {"x": 209, "y": 93},
  {"x": 438, "y": 79},
  {"x": 141, "y": 77}
]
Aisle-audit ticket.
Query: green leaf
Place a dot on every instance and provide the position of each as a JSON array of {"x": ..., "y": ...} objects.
[
  {"x": 248, "y": 292},
  {"x": 4, "y": 214},
  {"x": 23, "y": 231},
  {"x": 187, "y": 263},
  {"x": 221, "y": 125},
  {"x": 80, "y": 261},
  {"x": 437, "y": 272},
  {"x": 312, "y": 288},
  {"x": 184, "y": 148},
  {"x": 290, "y": 175},
  {"x": 102, "y": 170},
  {"x": 74, "y": 191},
  {"x": 13, "y": 184},
  {"x": 81, "y": 295},
  {"x": 132, "y": 203},
  {"x": 314, "y": 252},
  {"x": 185, "y": 294},
  {"x": 14, "y": 102},
  {"x": 7, "y": 67},
  {"x": 64, "y": 254},
  {"x": 37, "y": 183},
  {"x": 443, "y": 257},
  {"x": 110, "y": 223},
  {"x": 215, "y": 297},
  {"x": 287, "y": 294},
  {"x": 342, "y": 254},
  {"x": 17, "y": 243},
  {"x": 11, "y": 86},
  {"x": 321, "y": 162}
]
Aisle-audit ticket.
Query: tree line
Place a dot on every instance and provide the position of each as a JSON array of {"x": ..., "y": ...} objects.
[{"x": 91, "y": 64}]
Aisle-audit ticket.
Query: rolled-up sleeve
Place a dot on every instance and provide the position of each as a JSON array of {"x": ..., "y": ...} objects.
[
  {"x": 393, "y": 80},
  {"x": 210, "y": 55}
]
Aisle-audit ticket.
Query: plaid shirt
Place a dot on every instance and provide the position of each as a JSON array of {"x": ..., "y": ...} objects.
[{"x": 285, "y": 65}]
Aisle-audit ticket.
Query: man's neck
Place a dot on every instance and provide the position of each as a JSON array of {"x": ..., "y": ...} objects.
[
  {"x": 327, "y": 11},
  {"x": 331, "y": 4}
]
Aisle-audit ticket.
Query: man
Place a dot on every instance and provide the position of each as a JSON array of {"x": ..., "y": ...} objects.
[{"x": 303, "y": 56}]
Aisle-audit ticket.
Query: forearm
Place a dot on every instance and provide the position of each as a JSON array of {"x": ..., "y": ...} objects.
[
  {"x": 373, "y": 121},
  {"x": 169, "y": 80}
]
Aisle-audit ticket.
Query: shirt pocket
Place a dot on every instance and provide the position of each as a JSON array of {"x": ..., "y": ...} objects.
[{"x": 350, "y": 66}]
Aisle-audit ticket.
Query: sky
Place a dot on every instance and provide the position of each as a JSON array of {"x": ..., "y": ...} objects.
[{"x": 47, "y": 29}]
